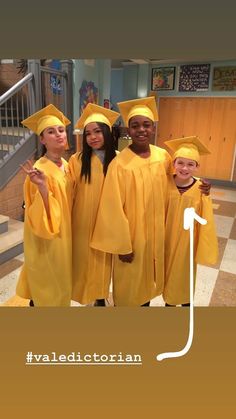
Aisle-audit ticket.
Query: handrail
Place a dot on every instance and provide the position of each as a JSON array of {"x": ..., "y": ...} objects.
[{"x": 15, "y": 88}]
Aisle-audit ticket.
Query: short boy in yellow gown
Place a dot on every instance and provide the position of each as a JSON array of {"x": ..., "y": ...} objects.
[{"x": 184, "y": 192}]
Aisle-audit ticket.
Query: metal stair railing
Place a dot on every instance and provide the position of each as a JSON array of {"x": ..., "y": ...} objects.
[
  {"x": 14, "y": 107},
  {"x": 17, "y": 143},
  {"x": 41, "y": 86}
]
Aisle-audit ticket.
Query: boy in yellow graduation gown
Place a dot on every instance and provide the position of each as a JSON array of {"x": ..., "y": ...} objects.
[
  {"x": 131, "y": 217},
  {"x": 46, "y": 276},
  {"x": 184, "y": 193},
  {"x": 91, "y": 268}
]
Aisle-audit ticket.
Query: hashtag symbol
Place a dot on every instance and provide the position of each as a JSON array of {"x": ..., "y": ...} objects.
[{"x": 29, "y": 357}]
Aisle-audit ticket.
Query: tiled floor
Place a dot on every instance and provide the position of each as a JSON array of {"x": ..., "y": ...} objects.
[{"x": 215, "y": 285}]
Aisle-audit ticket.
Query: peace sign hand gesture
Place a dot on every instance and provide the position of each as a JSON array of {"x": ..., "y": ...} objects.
[{"x": 36, "y": 176}]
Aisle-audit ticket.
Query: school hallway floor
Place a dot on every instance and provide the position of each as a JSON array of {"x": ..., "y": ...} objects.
[{"x": 215, "y": 285}]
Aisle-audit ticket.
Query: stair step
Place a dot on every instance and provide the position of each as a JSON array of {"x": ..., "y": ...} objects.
[
  {"x": 7, "y": 147},
  {"x": 11, "y": 243},
  {"x": 3, "y": 223}
]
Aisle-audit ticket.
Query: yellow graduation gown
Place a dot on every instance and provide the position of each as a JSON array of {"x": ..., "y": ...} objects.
[
  {"x": 177, "y": 276},
  {"x": 46, "y": 276},
  {"x": 91, "y": 268},
  {"x": 131, "y": 218}
]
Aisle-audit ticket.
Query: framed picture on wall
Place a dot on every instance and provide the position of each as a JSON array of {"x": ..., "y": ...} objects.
[
  {"x": 194, "y": 77},
  {"x": 88, "y": 94},
  {"x": 224, "y": 78},
  {"x": 163, "y": 78}
]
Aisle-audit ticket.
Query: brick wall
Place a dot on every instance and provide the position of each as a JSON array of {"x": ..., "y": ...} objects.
[
  {"x": 11, "y": 197},
  {"x": 8, "y": 76}
]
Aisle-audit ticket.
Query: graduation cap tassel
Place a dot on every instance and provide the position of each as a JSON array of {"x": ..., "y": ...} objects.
[{"x": 189, "y": 217}]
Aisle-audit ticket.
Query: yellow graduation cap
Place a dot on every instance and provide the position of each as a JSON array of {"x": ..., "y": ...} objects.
[
  {"x": 145, "y": 107},
  {"x": 187, "y": 147},
  {"x": 96, "y": 113},
  {"x": 46, "y": 117}
]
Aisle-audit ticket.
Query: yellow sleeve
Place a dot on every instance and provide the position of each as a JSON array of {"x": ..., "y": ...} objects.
[
  {"x": 111, "y": 233},
  {"x": 74, "y": 168},
  {"x": 36, "y": 214},
  {"x": 168, "y": 164},
  {"x": 207, "y": 248}
]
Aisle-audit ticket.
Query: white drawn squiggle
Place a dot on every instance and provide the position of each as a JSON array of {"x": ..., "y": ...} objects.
[{"x": 189, "y": 216}]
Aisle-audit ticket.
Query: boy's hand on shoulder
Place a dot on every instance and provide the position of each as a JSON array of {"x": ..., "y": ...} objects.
[{"x": 205, "y": 187}]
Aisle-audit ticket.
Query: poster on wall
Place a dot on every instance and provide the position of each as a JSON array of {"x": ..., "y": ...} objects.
[
  {"x": 55, "y": 80},
  {"x": 194, "y": 77},
  {"x": 224, "y": 78},
  {"x": 88, "y": 94},
  {"x": 163, "y": 78}
]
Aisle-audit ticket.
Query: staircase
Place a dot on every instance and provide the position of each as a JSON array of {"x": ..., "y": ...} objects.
[{"x": 11, "y": 238}]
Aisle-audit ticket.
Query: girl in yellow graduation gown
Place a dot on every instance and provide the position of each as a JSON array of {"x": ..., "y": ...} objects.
[
  {"x": 130, "y": 222},
  {"x": 91, "y": 268},
  {"x": 46, "y": 276},
  {"x": 184, "y": 193}
]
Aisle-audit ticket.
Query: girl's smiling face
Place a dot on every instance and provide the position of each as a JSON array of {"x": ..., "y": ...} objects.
[{"x": 94, "y": 136}]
